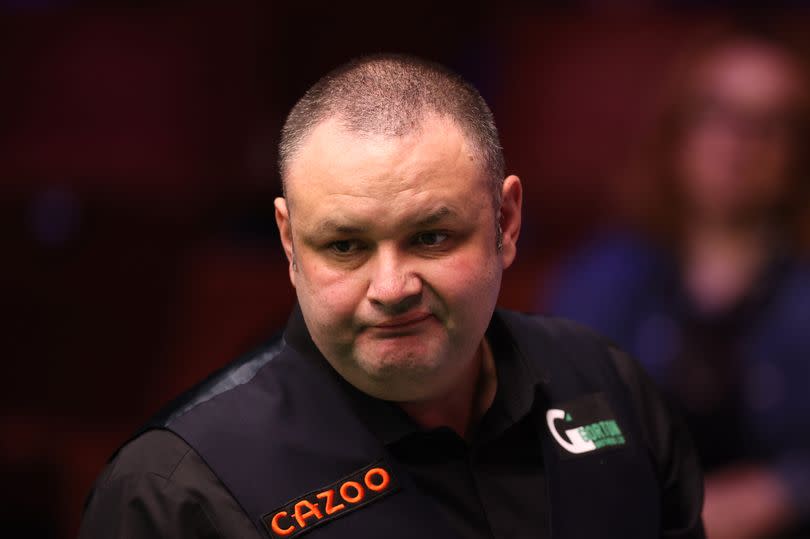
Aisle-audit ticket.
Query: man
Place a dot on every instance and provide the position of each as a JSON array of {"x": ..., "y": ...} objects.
[{"x": 398, "y": 401}]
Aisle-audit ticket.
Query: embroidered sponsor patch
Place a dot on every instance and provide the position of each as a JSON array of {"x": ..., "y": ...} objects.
[
  {"x": 585, "y": 425},
  {"x": 330, "y": 502}
]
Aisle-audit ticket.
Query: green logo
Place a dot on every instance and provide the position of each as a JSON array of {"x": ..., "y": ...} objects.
[
  {"x": 605, "y": 433},
  {"x": 602, "y": 433}
]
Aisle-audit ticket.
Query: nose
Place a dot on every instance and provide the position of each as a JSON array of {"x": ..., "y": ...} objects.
[{"x": 393, "y": 286}]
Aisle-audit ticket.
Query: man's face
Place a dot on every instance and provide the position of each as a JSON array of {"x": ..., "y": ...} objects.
[{"x": 392, "y": 248}]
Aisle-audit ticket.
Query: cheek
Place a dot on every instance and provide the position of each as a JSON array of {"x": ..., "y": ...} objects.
[
  {"x": 333, "y": 297},
  {"x": 468, "y": 283}
]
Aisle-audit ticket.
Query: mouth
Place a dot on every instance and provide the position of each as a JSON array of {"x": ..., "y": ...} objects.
[{"x": 403, "y": 322}]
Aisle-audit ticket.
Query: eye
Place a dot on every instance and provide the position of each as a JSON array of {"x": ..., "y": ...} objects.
[
  {"x": 345, "y": 247},
  {"x": 431, "y": 239}
]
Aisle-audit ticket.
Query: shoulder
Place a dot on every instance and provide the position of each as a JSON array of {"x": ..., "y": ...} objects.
[
  {"x": 158, "y": 485},
  {"x": 157, "y": 454},
  {"x": 534, "y": 330},
  {"x": 236, "y": 374},
  {"x": 551, "y": 342},
  {"x": 518, "y": 322},
  {"x": 586, "y": 347},
  {"x": 552, "y": 345},
  {"x": 137, "y": 495}
]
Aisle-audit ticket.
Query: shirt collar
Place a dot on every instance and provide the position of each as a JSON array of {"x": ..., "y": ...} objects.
[
  {"x": 297, "y": 335},
  {"x": 517, "y": 385}
]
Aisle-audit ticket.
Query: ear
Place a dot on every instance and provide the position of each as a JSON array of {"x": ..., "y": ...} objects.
[
  {"x": 285, "y": 232},
  {"x": 511, "y": 204}
]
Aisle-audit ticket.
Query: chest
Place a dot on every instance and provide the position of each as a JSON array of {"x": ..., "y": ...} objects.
[{"x": 518, "y": 488}]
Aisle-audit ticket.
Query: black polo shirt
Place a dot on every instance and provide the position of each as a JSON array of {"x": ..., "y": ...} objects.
[{"x": 491, "y": 486}]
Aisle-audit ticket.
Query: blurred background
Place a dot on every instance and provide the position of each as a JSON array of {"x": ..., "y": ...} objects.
[{"x": 137, "y": 174}]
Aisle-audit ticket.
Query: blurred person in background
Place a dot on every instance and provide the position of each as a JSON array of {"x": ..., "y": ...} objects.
[{"x": 713, "y": 295}]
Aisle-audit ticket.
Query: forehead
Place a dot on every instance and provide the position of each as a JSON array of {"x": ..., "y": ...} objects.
[
  {"x": 335, "y": 168},
  {"x": 750, "y": 74}
]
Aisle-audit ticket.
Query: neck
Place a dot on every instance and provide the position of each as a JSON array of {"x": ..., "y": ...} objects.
[{"x": 462, "y": 407}]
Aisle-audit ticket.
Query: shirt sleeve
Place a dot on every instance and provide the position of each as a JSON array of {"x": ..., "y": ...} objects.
[
  {"x": 672, "y": 451},
  {"x": 158, "y": 487}
]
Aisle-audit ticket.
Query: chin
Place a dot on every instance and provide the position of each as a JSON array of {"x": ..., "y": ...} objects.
[
  {"x": 404, "y": 375},
  {"x": 400, "y": 363}
]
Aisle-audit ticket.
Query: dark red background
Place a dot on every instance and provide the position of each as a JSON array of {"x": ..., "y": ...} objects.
[{"x": 137, "y": 172}]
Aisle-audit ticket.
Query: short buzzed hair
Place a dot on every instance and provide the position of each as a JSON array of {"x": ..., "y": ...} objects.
[{"x": 389, "y": 95}]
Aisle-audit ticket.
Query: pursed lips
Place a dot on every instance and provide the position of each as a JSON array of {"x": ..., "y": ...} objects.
[{"x": 403, "y": 322}]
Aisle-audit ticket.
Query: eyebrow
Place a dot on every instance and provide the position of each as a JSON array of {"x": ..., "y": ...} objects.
[
  {"x": 330, "y": 225},
  {"x": 434, "y": 217}
]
